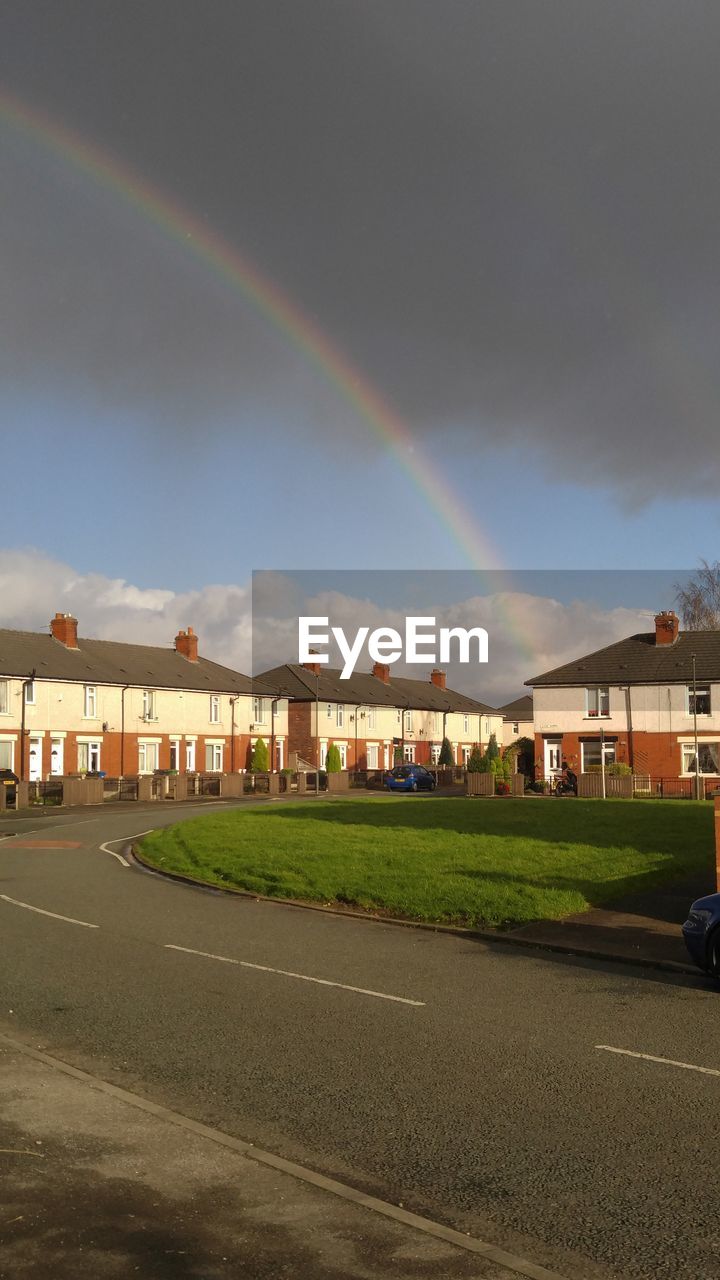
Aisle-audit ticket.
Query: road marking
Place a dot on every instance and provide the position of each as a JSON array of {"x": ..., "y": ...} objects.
[
  {"x": 125, "y": 840},
  {"x": 668, "y": 1062},
  {"x": 28, "y": 907},
  {"x": 304, "y": 977},
  {"x": 352, "y": 1195}
]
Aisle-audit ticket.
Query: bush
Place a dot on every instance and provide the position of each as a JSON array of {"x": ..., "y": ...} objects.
[
  {"x": 260, "y": 760},
  {"x": 493, "y": 749},
  {"x": 502, "y": 788},
  {"x": 618, "y": 770},
  {"x": 333, "y": 763},
  {"x": 445, "y": 760},
  {"x": 474, "y": 764}
]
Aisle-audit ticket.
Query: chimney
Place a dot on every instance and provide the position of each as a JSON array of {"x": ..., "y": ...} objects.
[
  {"x": 381, "y": 671},
  {"x": 667, "y": 626},
  {"x": 186, "y": 643},
  {"x": 438, "y": 678},
  {"x": 64, "y": 628},
  {"x": 314, "y": 667}
]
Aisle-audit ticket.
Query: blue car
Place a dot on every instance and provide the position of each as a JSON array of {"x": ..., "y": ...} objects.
[
  {"x": 410, "y": 777},
  {"x": 701, "y": 932}
]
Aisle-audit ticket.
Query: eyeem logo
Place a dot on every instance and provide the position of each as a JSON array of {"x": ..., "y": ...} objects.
[{"x": 387, "y": 645}]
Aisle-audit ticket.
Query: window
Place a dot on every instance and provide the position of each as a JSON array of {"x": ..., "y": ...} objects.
[
  {"x": 591, "y": 757},
  {"x": 175, "y": 753},
  {"x": 260, "y": 710},
  {"x": 88, "y": 757},
  {"x": 213, "y": 757},
  {"x": 30, "y": 693},
  {"x": 466, "y": 724},
  {"x": 6, "y": 755},
  {"x": 597, "y": 701},
  {"x": 409, "y": 754},
  {"x": 342, "y": 749},
  {"x": 409, "y": 721},
  {"x": 340, "y": 716},
  {"x": 329, "y": 710},
  {"x": 708, "y": 757},
  {"x": 149, "y": 705},
  {"x": 398, "y": 716},
  {"x": 699, "y": 702},
  {"x": 4, "y": 708},
  {"x": 516, "y": 727},
  {"x": 190, "y": 757},
  {"x": 372, "y": 755},
  {"x": 214, "y": 709},
  {"x": 148, "y": 753},
  {"x": 371, "y": 718},
  {"x": 435, "y": 753},
  {"x": 437, "y": 722},
  {"x": 90, "y": 711},
  {"x": 466, "y": 754}
]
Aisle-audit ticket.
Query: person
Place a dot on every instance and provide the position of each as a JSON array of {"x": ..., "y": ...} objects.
[{"x": 571, "y": 779}]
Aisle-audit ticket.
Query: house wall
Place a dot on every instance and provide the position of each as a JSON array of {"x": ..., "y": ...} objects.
[{"x": 184, "y": 715}]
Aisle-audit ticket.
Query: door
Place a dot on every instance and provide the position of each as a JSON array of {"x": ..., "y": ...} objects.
[
  {"x": 56, "y": 757},
  {"x": 35, "y": 760},
  {"x": 553, "y": 757}
]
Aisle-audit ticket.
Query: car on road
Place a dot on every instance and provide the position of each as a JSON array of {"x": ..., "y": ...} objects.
[
  {"x": 410, "y": 777},
  {"x": 701, "y": 932}
]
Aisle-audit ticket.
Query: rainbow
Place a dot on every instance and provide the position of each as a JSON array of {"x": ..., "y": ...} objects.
[{"x": 276, "y": 307}]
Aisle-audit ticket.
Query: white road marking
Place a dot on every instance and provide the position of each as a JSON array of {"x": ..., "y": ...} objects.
[
  {"x": 304, "y": 977},
  {"x": 123, "y": 840},
  {"x": 28, "y": 907},
  {"x": 668, "y": 1062}
]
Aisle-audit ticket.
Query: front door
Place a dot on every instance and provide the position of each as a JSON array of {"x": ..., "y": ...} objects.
[
  {"x": 35, "y": 760},
  {"x": 56, "y": 757},
  {"x": 553, "y": 757}
]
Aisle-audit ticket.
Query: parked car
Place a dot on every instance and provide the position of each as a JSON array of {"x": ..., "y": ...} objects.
[
  {"x": 701, "y": 932},
  {"x": 410, "y": 777}
]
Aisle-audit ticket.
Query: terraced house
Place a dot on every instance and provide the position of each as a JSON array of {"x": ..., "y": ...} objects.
[
  {"x": 373, "y": 718},
  {"x": 74, "y": 705},
  {"x": 651, "y": 701}
]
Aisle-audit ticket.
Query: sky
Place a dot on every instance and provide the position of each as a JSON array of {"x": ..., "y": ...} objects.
[{"x": 323, "y": 284}]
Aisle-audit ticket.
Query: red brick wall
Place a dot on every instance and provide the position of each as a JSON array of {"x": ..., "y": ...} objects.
[
  {"x": 658, "y": 754},
  {"x": 300, "y": 737}
]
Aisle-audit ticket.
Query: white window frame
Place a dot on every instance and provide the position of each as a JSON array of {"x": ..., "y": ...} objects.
[
  {"x": 594, "y": 700},
  {"x": 435, "y": 750},
  {"x": 149, "y": 704},
  {"x": 329, "y": 710},
  {"x": 175, "y": 746},
  {"x": 688, "y": 752},
  {"x": 466, "y": 724},
  {"x": 516, "y": 727},
  {"x": 190, "y": 756},
  {"x": 90, "y": 702},
  {"x": 409, "y": 753},
  {"x": 373, "y": 749},
  {"x": 260, "y": 710},
  {"x": 88, "y": 752},
  {"x": 409, "y": 720},
  {"x": 342, "y": 749},
  {"x": 216, "y": 754},
  {"x": 4, "y": 697},
  {"x": 340, "y": 715},
  {"x": 30, "y": 694},
  {"x": 608, "y": 753},
  {"x": 700, "y": 689},
  {"x": 371, "y": 717},
  {"x": 214, "y": 708},
  {"x": 9, "y": 742}
]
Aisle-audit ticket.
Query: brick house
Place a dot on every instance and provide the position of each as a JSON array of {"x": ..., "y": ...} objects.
[
  {"x": 637, "y": 702},
  {"x": 518, "y": 719},
  {"x": 89, "y": 705},
  {"x": 371, "y": 716}
]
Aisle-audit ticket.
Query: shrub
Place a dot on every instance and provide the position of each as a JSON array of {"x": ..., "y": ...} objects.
[
  {"x": 333, "y": 763},
  {"x": 474, "y": 764},
  {"x": 493, "y": 749},
  {"x": 619, "y": 770},
  {"x": 260, "y": 761},
  {"x": 502, "y": 788},
  {"x": 445, "y": 760}
]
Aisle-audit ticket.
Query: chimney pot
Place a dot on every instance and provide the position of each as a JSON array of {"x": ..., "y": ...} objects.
[
  {"x": 381, "y": 671},
  {"x": 438, "y": 678},
  {"x": 186, "y": 643}
]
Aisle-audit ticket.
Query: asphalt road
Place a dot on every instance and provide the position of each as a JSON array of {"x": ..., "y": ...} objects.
[{"x": 461, "y": 1079}]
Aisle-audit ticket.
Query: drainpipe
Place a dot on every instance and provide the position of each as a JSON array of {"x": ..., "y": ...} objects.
[
  {"x": 122, "y": 730},
  {"x": 232, "y": 732},
  {"x": 317, "y": 733},
  {"x": 695, "y": 730},
  {"x": 30, "y": 680}
]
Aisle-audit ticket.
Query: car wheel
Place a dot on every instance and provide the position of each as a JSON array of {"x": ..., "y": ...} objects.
[
  {"x": 414, "y": 785},
  {"x": 713, "y": 954}
]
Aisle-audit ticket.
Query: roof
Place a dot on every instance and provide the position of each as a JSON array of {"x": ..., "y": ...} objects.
[
  {"x": 520, "y": 709},
  {"x": 639, "y": 660},
  {"x": 110, "y": 662},
  {"x": 364, "y": 689}
]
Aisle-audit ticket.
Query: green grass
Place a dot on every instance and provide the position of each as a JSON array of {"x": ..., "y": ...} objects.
[{"x": 466, "y": 861}]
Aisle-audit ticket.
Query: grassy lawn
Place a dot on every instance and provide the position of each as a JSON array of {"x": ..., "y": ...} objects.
[{"x": 466, "y": 861}]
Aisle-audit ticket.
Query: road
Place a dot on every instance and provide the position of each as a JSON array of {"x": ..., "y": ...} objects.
[{"x": 474, "y": 1084}]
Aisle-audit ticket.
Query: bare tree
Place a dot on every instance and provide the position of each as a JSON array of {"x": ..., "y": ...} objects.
[{"x": 699, "y": 599}]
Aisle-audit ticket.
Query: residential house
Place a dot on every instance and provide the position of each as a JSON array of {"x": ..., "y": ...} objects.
[
  {"x": 81, "y": 705},
  {"x": 518, "y": 719},
  {"x": 372, "y": 718},
  {"x": 642, "y": 701}
]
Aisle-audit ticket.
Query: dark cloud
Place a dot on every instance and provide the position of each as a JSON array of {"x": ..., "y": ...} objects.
[{"x": 504, "y": 211}]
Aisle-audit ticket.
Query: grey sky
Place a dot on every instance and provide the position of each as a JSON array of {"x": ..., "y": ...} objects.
[{"x": 505, "y": 212}]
